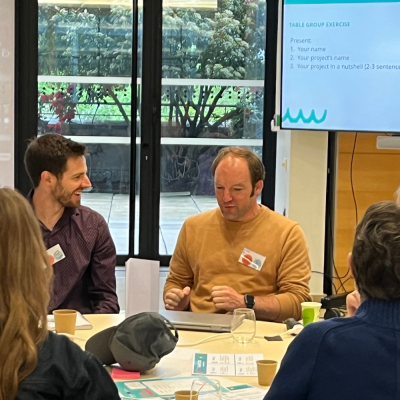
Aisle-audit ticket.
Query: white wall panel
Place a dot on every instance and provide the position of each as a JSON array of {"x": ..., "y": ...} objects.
[
  {"x": 7, "y": 56},
  {"x": 301, "y": 169}
]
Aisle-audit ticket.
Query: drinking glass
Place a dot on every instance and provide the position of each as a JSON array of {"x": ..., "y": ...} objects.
[
  {"x": 243, "y": 325},
  {"x": 209, "y": 389}
]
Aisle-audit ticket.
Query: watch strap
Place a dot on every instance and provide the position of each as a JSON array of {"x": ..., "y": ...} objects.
[{"x": 249, "y": 300}]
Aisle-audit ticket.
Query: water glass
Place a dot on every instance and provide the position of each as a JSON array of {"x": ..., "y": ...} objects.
[
  {"x": 243, "y": 325},
  {"x": 209, "y": 389}
]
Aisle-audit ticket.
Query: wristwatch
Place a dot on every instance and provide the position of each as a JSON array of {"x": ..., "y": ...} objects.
[{"x": 249, "y": 300}]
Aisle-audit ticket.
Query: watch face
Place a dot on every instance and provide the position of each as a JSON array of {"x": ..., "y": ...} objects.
[{"x": 249, "y": 300}]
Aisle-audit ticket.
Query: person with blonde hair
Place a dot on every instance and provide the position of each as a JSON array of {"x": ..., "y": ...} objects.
[{"x": 35, "y": 363}]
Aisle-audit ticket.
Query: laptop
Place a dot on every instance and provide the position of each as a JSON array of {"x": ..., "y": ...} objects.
[{"x": 198, "y": 321}]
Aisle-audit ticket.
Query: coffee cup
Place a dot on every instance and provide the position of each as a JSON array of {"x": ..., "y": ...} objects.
[
  {"x": 266, "y": 370},
  {"x": 65, "y": 321},
  {"x": 185, "y": 395}
]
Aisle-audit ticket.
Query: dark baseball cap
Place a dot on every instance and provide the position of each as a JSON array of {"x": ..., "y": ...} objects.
[{"x": 137, "y": 343}]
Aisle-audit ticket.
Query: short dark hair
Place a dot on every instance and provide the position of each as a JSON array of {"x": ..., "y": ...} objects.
[
  {"x": 50, "y": 153},
  {"x": 256, "y": 167},
  {"x": 376, "y": 252}
]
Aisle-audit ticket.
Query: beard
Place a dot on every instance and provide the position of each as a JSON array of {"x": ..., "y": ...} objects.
[{"x": 65, "y": 198}]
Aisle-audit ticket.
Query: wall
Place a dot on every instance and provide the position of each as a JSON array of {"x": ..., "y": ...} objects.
[
  {"x": 7, "y": 93},
  {"x": 301, "y": 170},
  {"x": 376, "y": 176}
]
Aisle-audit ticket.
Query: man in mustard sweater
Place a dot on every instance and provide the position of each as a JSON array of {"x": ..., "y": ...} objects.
[{"x": 241, "y": 254}]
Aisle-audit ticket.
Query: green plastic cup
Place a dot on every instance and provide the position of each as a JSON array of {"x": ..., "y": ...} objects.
[{"x": 310, "y": 311}]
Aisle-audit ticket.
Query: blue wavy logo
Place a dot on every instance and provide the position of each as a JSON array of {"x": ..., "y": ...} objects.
[{"x": 311, "y": 118}]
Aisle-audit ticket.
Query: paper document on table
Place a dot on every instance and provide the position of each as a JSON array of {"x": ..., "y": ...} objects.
[
  {"x": 244, "y": 392},
  {"x": 182, "y": 354},
  {"x": 240, "y": 391},
  {"x": 157, "y": 389},
  {"x": 81, "y": 322},
  {"x": 226, "y": 364}
]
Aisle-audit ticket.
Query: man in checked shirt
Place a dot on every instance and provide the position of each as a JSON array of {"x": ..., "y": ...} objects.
[{"x": 77, "y": 238}]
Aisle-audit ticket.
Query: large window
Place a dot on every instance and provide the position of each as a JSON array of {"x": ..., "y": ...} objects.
[
  {"x": 213, "y": 63},
  {"x": 85, "y": 93},
  {"x": 154, "y": 89}
]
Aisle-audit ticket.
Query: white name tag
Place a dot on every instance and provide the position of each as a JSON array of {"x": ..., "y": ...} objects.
[
  {"x": 252, "y": 259},
  {"x": 55, "y": 254}
]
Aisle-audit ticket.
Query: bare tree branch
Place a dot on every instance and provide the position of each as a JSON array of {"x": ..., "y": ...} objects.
[
  {"x": 118, "y": 104},
  {"x": 226, "y": 117},
  {"x": 198, "y": 108},
  {"x": 214, "y": 103},
  {"x": 206, "y": 97}
]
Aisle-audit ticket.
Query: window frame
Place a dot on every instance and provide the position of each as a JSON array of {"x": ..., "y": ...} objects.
[{"x": 26, "y": 34}]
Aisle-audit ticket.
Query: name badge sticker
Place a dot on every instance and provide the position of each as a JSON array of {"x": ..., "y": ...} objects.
[
  {"x": 55, "y": 254},
  {"x": 252, "y": 259}
]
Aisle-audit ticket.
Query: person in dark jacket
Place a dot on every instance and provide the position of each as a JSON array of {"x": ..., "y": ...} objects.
[
  {"x": 356, "y": 357},
  {"x": 36, "y": 364}
]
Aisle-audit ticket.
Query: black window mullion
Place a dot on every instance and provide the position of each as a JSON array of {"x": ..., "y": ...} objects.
[
  {"x": 134, "y": 105},
  {"x": 150, "y": 131},
  {"x": 329, "y": 253},
  {"x": 269, "y": 137},
  {"x": 26, "y": 72}
]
